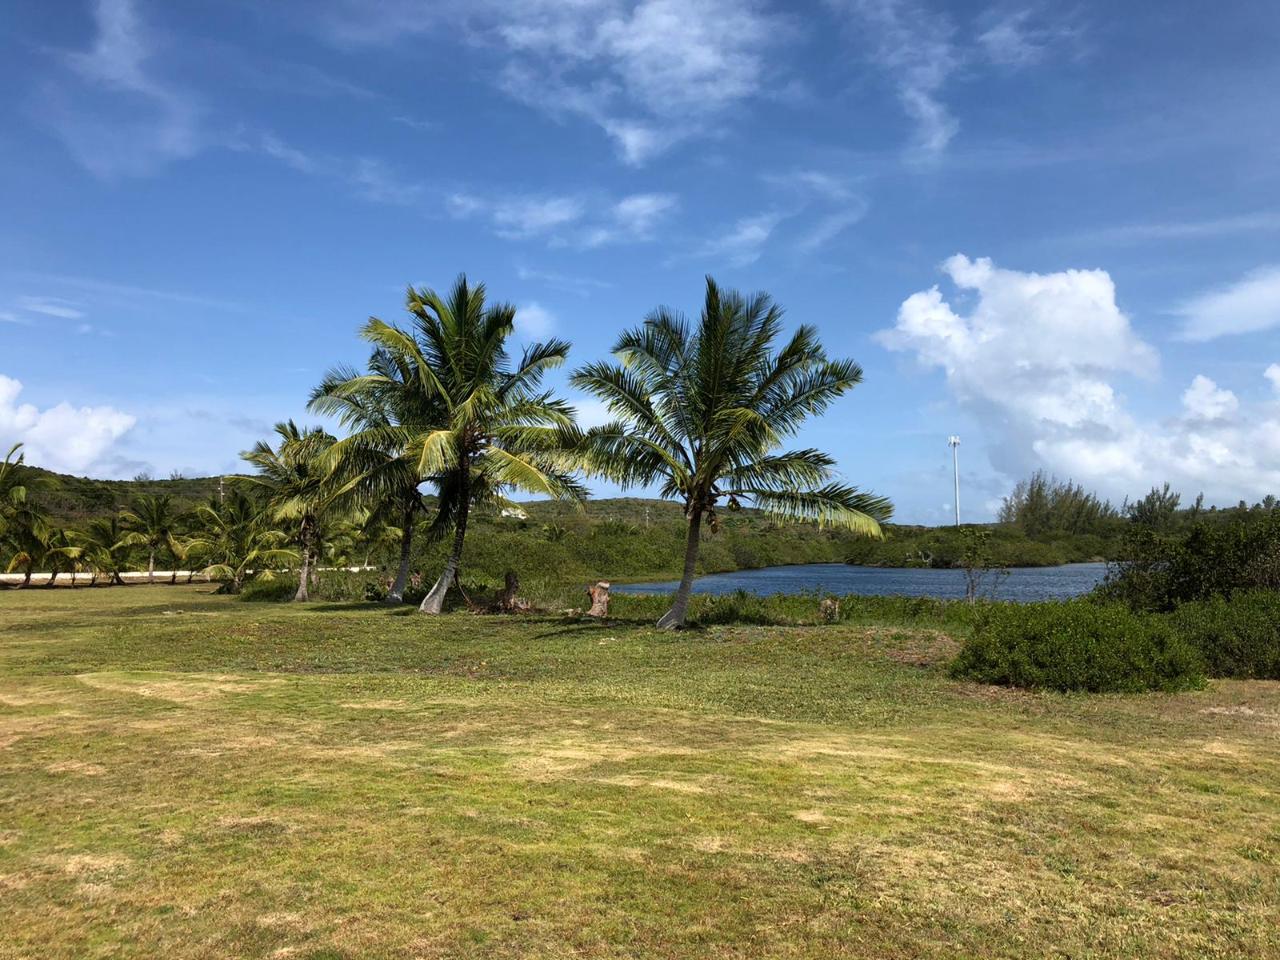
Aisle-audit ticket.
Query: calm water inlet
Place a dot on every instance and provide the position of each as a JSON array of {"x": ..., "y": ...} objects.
[{"x": 1018, "y": 583}]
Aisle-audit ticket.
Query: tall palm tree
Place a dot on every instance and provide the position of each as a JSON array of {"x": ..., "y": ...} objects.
[
  {"x": 293, "y": 476},
  {"x": 701, "y": 411},
  {"x": 151, "y": 521},
  {"x": 375, "y": 468},
  {"x": 238, "y": 540},
  {"x": 479, "y": 426}
]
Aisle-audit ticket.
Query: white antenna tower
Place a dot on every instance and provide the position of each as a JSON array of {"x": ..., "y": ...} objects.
[{"x": 954, "y": 443}]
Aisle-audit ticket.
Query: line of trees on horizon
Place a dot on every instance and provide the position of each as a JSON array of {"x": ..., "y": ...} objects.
[{"x": 442, "y": 420}]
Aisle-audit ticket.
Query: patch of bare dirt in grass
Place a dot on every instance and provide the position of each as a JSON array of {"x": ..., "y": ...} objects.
[
  {"x": 810, "y": 816},
  {"x": 80, "y": 767},
  {"x": 568, "y": 756},
  {"x": 185, "y": 689},
  {"x": 918, "y": 648},
  {"x": 18, "y": 700},
  {"x": 375, "y": 705},
  {"x": 1266, "y": 718},
  {"x": 658, "y": 783},
  {"x": 257, "y": 826}
]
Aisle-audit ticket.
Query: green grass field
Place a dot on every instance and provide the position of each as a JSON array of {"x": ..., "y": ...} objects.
[{"x": 183, "y": 775}]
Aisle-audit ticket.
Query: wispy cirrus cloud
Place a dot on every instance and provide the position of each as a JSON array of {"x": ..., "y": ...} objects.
[
  {"x": 649, "y": 74},
  {"x": 582, "y": 286},
  {"x": 1025, "y": 36},
  {"x": 916, "y": 47},
  {"x": 576, "y": 220},
  {"x": 742, "y": 242},
  {"x": 367, "y": 177},
  {"x": 1262, "y": 221},
  {"x": 1248, "y": 305},
  {"x": 109, "y": 107},
  {"x": 51, "y": 307},
  {"x": 922, "y": 49}
]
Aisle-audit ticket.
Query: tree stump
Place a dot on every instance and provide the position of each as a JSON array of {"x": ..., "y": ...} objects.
[
  {"x": 599, "y": 594},
  {"x": 507, "y": 598}
]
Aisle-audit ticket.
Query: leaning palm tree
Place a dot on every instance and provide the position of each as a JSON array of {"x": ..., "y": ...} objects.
[
  {"x": 375, "y": 469},
  {"x": 702, "y": 410},
  {"x": 26, "y": 541},
  {"x": 13, "y": 492},
  {"x": 151, "y": 521},
  {"x": 479, "y": 426},
  {"x": 293, "y": 476}
]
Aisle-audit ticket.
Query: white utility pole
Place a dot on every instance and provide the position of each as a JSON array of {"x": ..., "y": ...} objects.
[{"x": 954, "y": 443}]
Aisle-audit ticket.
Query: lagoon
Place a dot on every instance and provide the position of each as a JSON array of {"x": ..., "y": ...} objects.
[{"x": 1023, "y": 584}]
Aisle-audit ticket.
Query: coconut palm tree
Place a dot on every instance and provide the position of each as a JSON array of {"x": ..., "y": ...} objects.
[
  {"x": 375, "y": 468},
  {"x": 13, "y": 492},
  {"x": 293, "y": 477},
  {"x": 702, "y": 409},
  {"x": 103, "y": 548},
  {"x": 479, "y": 426},
  {"x": 26, "y": 541},
  {"x": 236, "y": 537},
  {"x": 185, "y": 550},
  {"x": 151, "y": 520}
]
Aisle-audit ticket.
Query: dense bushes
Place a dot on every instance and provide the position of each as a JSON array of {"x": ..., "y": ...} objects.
[
  {"x": 1078, "y": 645},
  {"x": 1216, "y": 557},
  {"x": 1238, "y": 638}
]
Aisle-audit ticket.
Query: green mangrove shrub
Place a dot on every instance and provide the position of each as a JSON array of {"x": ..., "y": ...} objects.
[
  {"x": 1237, "y": 638},
  {"x": 1078, "y": 645}
]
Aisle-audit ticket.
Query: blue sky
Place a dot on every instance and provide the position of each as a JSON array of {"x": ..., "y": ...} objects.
[{"x": 1053, "y": 229}]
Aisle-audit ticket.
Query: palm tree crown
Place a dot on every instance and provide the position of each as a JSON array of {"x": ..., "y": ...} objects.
[
  {"x": 701, "y": 411},
  {"x": 465, "y": 420},
  {"x": 151, "y": 521}
]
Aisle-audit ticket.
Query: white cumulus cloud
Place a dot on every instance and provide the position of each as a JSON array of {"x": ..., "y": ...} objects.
[
  {"x": 1205, "y": 400},
  {"x": 63, "y": 437},
  {"x": 1037, "y": 360}
]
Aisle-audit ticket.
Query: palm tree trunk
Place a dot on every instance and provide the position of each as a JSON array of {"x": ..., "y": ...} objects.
[
  {"x": 673, "y": 619},
  {"x": 53, "y": 576},
  {"x": 302, "y": 596},
  {"x": 151, "y": 566},
  {"x": 406, "y": 555},
  {"x": 26, "y": 580},
  {"x": 433, "y": 602}
]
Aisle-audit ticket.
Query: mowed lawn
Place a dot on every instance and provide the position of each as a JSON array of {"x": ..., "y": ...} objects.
[{"x": 185, "y": 775}]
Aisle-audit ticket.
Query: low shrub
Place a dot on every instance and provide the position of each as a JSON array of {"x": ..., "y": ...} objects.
[
  {"x": 1237, "y": 638},
  {"x": 1078, "y": 645},
  {"x": 275, "y": 590}
]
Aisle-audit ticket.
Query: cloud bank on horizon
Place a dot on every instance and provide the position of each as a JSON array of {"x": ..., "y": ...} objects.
[{"x": 207, "y": 199}]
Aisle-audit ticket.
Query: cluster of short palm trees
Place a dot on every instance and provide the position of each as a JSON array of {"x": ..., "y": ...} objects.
[{"x": 443, "y": 408}]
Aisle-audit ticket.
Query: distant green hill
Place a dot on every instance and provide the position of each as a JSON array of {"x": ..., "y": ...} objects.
[
  {"x": 70, "y": 501},
  {"x": 625, "y": 537}
]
